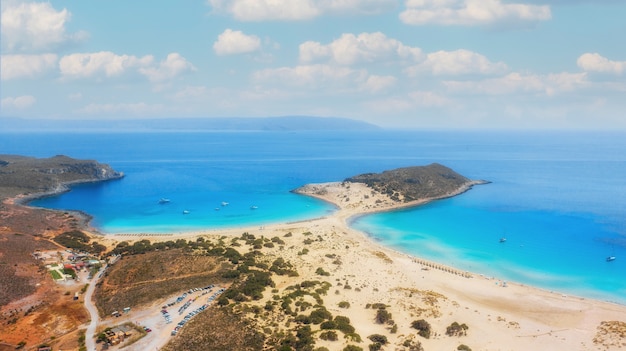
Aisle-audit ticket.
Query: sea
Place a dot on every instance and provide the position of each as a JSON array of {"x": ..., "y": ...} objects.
[{"x": 558, "y": 198}]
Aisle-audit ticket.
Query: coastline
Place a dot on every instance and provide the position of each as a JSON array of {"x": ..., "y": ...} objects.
[
  {"x": 511, "y": 315},
  {"x": 516, "y": 316}
]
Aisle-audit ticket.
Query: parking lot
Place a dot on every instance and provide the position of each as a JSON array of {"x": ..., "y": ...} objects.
[{"x": 165, "y": 320}]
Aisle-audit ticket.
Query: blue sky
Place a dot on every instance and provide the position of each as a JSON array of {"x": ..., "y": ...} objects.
[{"x": 394, "y": 63}]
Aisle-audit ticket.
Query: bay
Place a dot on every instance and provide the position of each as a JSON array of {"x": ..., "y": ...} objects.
[{"x": 558, "y": 197}]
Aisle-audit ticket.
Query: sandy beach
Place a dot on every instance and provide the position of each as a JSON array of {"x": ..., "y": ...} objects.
[{"x": 499, "y": 316}]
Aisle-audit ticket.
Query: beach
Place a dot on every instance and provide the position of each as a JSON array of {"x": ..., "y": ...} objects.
[{"x": 499, "y": 315}]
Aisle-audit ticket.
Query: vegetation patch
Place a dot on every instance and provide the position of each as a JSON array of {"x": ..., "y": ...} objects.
[
  {"x": 423, "y": 328},
  {"x": 456, "y": 329},
  {"x": 79, "y": 241},
  {"x": 218, "y": 328},
  {"x": 611, "y": 333},
  {"x": 138, "y": 280}
]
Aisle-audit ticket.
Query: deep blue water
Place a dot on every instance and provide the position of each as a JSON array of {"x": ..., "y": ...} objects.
[{"x": 558, "y": 197}]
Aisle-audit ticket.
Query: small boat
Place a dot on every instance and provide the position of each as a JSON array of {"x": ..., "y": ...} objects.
[
  {"x": 253, "y": 207},
  {"x": 610, "y": 258},
  {"x": 163, "y": 201},
  {"x": 186, "y": 212},
  {"x": 502, "y": 240},
  {"x": 224, "y": 203},
  {"x": 217, "y": 209}
]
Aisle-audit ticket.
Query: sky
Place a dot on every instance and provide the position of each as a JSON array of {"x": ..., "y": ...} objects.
[{"x": 394, "y": 63}]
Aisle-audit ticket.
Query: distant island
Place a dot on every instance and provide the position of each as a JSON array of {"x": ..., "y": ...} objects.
[{"x": 284, "y": 123}]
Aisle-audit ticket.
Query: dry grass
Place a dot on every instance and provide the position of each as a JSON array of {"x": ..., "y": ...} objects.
[
  {"x": 611, "y": 333},
  {"x": 140, "y": 279},
  {"x": 218, "y": 328},
  {"x": 15, "y": 260}
]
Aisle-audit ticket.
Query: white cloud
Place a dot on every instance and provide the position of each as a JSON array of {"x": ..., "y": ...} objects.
[
  {"x": 457, "y": 62},
  {"x": 376, "y": 84},
  {"x": 365, "y": 47},
  {"x": 35, "y": 26},
  {"x": 312, "y": 76},
  {"x": 597, "y": 63},
  {"x": 312, "y": 50},
  {"x": 100, "y": 63},
  {"x": 515, "y": 83},
  {"x": 296, "y": 10},
  {"x": 19, "y": 102},
  {"x": 356, "y": 6},
  {"x": 108, "y": 64},
  {"x": 236, "y": 42},
  {"x": 173, "y": 66},
  {"x": 261, "y": 10},
  {"x": 26, "y": 66},
  {"x": 470, "y": 12}
]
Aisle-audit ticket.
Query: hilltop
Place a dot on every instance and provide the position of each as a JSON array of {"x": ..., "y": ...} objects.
[{"x": 414, "y": 183}]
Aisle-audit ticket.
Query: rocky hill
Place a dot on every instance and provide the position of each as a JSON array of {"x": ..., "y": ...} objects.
[
  {"x": 413, "y": 183},
  {"x": 28, "y": 175}
]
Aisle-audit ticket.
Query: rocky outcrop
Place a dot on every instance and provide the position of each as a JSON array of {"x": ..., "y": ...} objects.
[
  {"x": 30, "y": 176},
  {"x": 415, "y": 183}
]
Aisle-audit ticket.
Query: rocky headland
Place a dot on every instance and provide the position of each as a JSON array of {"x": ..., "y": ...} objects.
[{"x": 32, "y": 177}]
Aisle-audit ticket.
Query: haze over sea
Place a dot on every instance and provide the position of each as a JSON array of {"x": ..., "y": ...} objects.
[{"x": 558, "y": 197}]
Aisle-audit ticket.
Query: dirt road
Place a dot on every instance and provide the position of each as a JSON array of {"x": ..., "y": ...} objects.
[{"x": 90, "y": 342}]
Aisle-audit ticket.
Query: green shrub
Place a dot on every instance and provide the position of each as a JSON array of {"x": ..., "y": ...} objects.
[
  {"x": 456, "y": 329},
  {"x": 320, "y": 315},
  {"x": 382, "y": 316},
  {"x": 352, "y": 348},
  {"x": 303, "y": 319},
  {"x": 381, "y": 339},
  {"x": 353, "y": 337},
  {"x": 423, "y": 328},
  {"x": 329, "y": 335},
  {"x": 344, "y": 304},
  {"x": 322, "y": 272},
  {"x": 343, "y": 324},
  {"x": 328, "y": 325},
  {"x": 463, "y": 347}
]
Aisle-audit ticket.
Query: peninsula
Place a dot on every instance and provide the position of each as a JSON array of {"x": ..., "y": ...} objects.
[{"x": 317, "y": 285}]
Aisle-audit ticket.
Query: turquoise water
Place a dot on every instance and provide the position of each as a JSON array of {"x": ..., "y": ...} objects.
[{"x": 558, "y": 197}]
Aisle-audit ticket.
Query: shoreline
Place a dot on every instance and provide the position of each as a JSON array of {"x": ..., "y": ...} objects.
[
  {"x": 517, "y": 315},
  {"x": 348, "y": 214}
]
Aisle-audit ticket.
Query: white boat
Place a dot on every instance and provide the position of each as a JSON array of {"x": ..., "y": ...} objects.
[
  {"x": 163, "y": 201},
  {"x": 186, "y": 212},
  {"x": 502, "y": 240},
  {"x": 217, "y": 209},
  {"x": 610, "y": 258},
  {"x": 224, "y": 203},
  {"x": 253, "y": 207}
]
